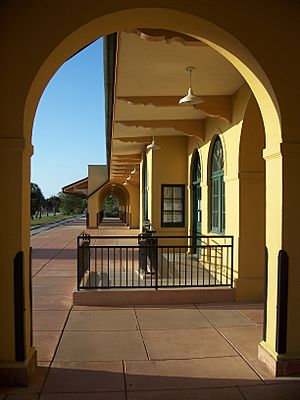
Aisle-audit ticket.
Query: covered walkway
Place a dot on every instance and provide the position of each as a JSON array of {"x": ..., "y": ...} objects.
[{"x": 195, "y": 351}]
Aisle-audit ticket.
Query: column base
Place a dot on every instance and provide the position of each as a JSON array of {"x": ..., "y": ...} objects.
[
  {"x": 278, "y": 364},
  {"x": 18, "y": 373}
]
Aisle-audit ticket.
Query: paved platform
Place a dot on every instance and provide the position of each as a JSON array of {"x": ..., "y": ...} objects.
[{"x": 194, "y": 351}]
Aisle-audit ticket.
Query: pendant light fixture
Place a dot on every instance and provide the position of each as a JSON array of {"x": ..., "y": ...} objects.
[
  {"x": 190, "y": 98},
  {"x": 153, "y": 146}
]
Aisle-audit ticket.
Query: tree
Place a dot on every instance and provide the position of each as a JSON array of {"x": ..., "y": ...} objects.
[
  {"x": 71, "y": 204},
  {"x": 111, "y": 206},
  {"x": 54, "y": 204},
  {"x": 37, "y": 199}
]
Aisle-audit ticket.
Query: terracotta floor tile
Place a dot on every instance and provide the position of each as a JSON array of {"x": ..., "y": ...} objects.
[
  {"x": 188, "y": 394},
  {"x": 85, "y": 377},
  {"x": 51, "y": 302},
  {"x": 83, "y": 396},
  {"x": 101, "y": 308},
  {"x": 35, "y": 386},
  {"x": 166, "y": 307},
  {"x": 286, "y": 391},
  {"x": 52, "y": 280},
  {"x": 186, "y": 344},
  {"x": 22, "y": 397},
  {"x": 102, "y": 320},
  {"x": 256, "y": 316},
  {"x": 245, "y": 339},
  {"x": 46, "y": 343},
  {"x": 261, "y": 369},
  {"x": 53, "y": 289},
  {"x": 183, "y": 374},
  {"x": 171, "y": 319},
  {"x": 100, "y": 346},
  {"x": 64, "y": 273},
  {"x": 249, "y": 306},
  {"x": 44, "y": 364},
  {"x": 216, "y": 306},
  {"x": 49, "y": 320},
  {"x": 226, "y": 317}
]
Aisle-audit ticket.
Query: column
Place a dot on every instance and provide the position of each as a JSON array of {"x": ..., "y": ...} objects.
[
  {"x": 280, "y": 349},
  {"x": 18, "y": 357}
]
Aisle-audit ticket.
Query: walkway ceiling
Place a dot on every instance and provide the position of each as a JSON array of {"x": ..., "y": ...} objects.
[{"x": 150, "y": 79}]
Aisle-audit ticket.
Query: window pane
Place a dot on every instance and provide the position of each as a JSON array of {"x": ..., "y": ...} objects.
[
  {"x": 168, "y": 192},
  {"x": 177, "y": 218},
  {"x": 177, "y": 192},
  {"x": 177, "y": 205},
  {"x": 167, "y": 217},
  {"x": 168, "y": 204}
]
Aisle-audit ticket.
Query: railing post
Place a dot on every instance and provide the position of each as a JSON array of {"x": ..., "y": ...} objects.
[
  {"x": 282, "y": 299},
  {"x": 156, "y": 263},
  {"x": 30, "y": 294},
  {"x": 231, "y": 281},
  {"x": 19, "y": 306},
  {"x": 78, "y": 275},
  {"x": 265, "y": 294}
]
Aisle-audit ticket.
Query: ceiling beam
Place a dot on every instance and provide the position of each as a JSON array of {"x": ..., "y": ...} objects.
[
  {"x": 189, "y": 127},
  {"x": 134, "y": 139},
  {"x": 159, "y": 35},
  {"x": 213, "y": 106},
  {"x": 127, "y": 156}
]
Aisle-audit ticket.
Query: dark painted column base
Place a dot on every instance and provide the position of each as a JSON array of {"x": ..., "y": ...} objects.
[
  {"x": 279, "y": 364},
  {"x": 19, "y": 373}
]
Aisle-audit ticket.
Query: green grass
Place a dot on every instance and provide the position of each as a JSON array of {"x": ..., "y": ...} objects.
[{"x": 45, "y": 220}]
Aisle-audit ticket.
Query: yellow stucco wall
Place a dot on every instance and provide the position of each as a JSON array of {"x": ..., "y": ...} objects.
[
  {"x": 168, "y": 166},
  {"x": 42, "y": 50},
  {"x": 248, "y": 262}
]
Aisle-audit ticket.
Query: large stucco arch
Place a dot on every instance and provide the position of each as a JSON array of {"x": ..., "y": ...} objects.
[
  {"x": 205, "y": 29},
  {"x": 36, "y": 40}
]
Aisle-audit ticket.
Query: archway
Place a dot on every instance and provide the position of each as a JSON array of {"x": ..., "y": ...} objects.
[
  {"x": 251, "y": 242},
  {"x": 121, "y": 194},
  {"x": 204, "y": 22}
]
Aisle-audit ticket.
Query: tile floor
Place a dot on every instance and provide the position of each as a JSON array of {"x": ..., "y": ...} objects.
[{"x": 196, "y": 351}]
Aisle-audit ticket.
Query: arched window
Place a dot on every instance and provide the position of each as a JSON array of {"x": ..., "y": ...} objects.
[
  {"x": 145, "y": 187},
  {"x": 196, "y": 194},
  {"x": 217, "y": 189},
  {"x": 196, "y": 199}
]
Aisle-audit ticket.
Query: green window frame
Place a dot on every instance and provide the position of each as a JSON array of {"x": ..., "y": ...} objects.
[
  {"x": 145, "y": 188},
  {"x": 172, "y": 205},
  {"x": 217, "y": 189}
]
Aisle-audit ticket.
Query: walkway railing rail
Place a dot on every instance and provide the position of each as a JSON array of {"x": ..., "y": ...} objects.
[{"x": 143, "y": 261}]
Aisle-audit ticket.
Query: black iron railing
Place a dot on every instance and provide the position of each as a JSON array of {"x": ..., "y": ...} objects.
[{"x": 145, "y": 261}]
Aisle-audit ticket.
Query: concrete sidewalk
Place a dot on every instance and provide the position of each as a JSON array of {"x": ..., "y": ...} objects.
[{"x": 196, "y": 351}]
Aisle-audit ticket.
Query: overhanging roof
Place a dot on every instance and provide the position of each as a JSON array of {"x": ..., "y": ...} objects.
[{"x": 79, "y": 188}]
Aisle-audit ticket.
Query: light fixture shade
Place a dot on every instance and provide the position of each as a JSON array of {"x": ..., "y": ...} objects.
[
  {"x": 190, "y": 99},
  {"x": 128, "y": 178},
  {"x": 125, "y": 183}
]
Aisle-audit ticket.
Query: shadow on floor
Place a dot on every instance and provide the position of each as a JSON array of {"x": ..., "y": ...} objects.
[{"x": 117, "y": 380}]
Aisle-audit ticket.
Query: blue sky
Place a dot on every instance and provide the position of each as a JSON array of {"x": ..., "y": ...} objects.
[{"x": 69, "y": 125}]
